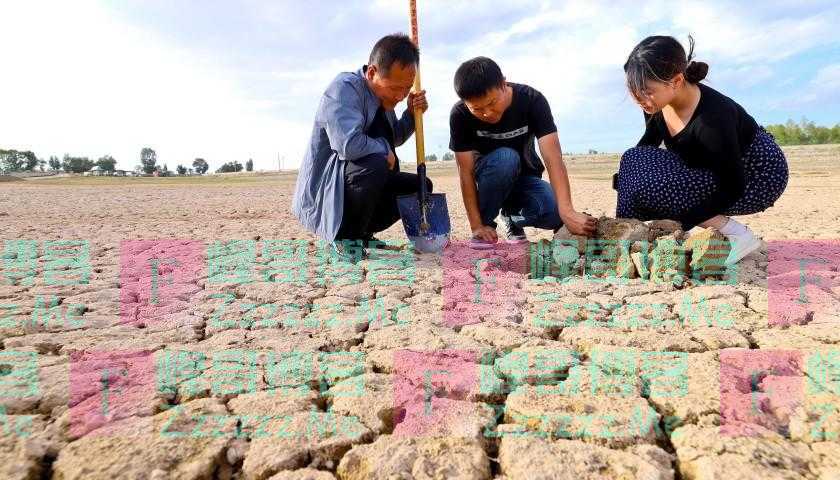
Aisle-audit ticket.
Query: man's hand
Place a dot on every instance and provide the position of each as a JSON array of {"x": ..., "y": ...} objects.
[
  {"x": 579, "y": 223},
  {"x": 392, "y": 159},
  {"x": 486, "y": 233},
  {"x": 417, "y": 100}
]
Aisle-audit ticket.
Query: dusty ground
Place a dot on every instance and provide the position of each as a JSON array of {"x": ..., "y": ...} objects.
[{"x": 292, "y": 366}]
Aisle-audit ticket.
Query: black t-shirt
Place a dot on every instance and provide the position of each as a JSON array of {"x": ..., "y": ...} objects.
[
  {"x": 716, "y": 138},
  {"x": 528, "y": 117},
  {"x": 380, "y": 128}
]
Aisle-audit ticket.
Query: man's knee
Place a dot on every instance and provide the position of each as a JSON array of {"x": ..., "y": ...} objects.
[
  {"x": 368, "y": 172},
  {"x": 540, "y": 201},
  {"x": 506, "y": 160},
  {"x": 373, "y": 164},
  {"x": 501, "y": 166}
]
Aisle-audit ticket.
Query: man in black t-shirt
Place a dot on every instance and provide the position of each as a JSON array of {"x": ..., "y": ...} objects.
[{"x": 492, "y": 132}]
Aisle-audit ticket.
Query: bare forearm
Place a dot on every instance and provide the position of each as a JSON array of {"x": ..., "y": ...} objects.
[
  {"x": 577, "y": 223},
  {"x": 559, "y": 178},
  {"x": 469, "y": 192}
]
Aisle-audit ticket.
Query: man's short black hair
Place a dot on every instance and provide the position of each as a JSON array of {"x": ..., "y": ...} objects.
[
  {"x": 396, "y": 47},
  {"x": 475, "y": 77}
]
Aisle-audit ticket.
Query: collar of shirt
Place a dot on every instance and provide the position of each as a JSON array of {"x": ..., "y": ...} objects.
[{"x": 372, "y": 102}]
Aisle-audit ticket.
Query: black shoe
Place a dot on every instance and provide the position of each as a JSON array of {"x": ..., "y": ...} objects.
[
  {"x": 513, "y": 233},
  {"x": 346, "y": 251},
  {"x": 370, "y": 241},
  {"x": 373, "y": 243}
]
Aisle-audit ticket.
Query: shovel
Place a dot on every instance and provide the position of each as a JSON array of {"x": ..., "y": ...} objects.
[{"x": 424, "y": 215}]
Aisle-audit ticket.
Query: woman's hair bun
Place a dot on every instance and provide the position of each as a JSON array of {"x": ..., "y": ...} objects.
[{"x": 696, "y": 71}]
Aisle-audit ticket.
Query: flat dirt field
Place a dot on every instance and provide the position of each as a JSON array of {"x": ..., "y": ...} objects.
[{"x": 189, "y": 328}]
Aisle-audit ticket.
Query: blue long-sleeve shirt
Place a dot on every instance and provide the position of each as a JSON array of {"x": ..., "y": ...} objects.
[{"x": 344, "y": 115}]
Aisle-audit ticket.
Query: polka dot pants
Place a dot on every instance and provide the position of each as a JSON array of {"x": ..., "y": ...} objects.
[{"x": 654, "y": 183}]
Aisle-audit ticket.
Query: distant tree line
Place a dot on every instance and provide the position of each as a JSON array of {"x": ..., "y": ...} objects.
[
  {"x": 790, "y": 133},
  {"x": 230, "y": 167},
  {"x": 235, "y": 166},
  {"x": 804, "y": 133},
  {"x": 27, "y": 161},
  {"x": 200, "y": 166},
  {"x": 446, "y": 157},
  {"x": 15, "y": 161},
  {"x": 18, "y": 161}
]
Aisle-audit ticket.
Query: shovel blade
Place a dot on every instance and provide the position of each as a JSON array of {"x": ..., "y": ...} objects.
[{"x": 435, "y": 239}]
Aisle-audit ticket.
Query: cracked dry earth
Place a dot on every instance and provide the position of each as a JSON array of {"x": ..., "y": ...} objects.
[{"x": 188, "y": 356}]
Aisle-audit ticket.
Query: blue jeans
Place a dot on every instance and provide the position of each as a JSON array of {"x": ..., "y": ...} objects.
[{"x": 528, "y": 200}]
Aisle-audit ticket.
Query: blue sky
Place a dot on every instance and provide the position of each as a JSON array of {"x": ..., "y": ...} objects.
[{"x": 232, "y": 80}]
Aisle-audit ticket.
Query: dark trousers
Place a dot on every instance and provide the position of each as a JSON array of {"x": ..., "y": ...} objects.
[
  {"x": 527, "y": 200},
  {"x": 370, "y": 196},
  {"x": 655, "y": 183}
]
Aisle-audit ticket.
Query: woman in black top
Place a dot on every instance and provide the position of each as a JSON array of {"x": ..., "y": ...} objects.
[{"x": 718, "y": 161}]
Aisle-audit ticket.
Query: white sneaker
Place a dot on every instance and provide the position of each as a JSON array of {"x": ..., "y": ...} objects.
[
  {"x": 742, "y": 245},
  {"x": 514, "y": 235}
]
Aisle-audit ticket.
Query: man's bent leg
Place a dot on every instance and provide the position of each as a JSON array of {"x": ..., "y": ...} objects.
[
  {"x": 364, "y": 183},
  {"x": 495, "y": 177},
  {"x": 532, "y": 204},
  {"x": 386, "y": 212}
]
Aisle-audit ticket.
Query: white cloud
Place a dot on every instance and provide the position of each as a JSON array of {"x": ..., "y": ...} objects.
[
  {"x": 828, "y": 78},
  {"x": 743, "y": 76},
  {"x": 822, "y": 90},
  {"x": 824, "y": 87},
  {"x": 89, "y": 85},
  {"x": 738, "y": 32},
  {"x": 86, "y": 82},
  {"x": 572, "y": 54}
]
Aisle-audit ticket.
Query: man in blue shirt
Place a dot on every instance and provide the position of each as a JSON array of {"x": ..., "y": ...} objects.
[{"x": 350, "y": 176}]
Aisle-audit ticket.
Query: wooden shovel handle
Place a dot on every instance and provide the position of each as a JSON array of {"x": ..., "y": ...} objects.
[{"x": 418, "y": 115}]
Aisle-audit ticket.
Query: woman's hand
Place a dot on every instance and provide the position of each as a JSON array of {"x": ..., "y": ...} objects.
[{"x": 579, "y": 223}]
